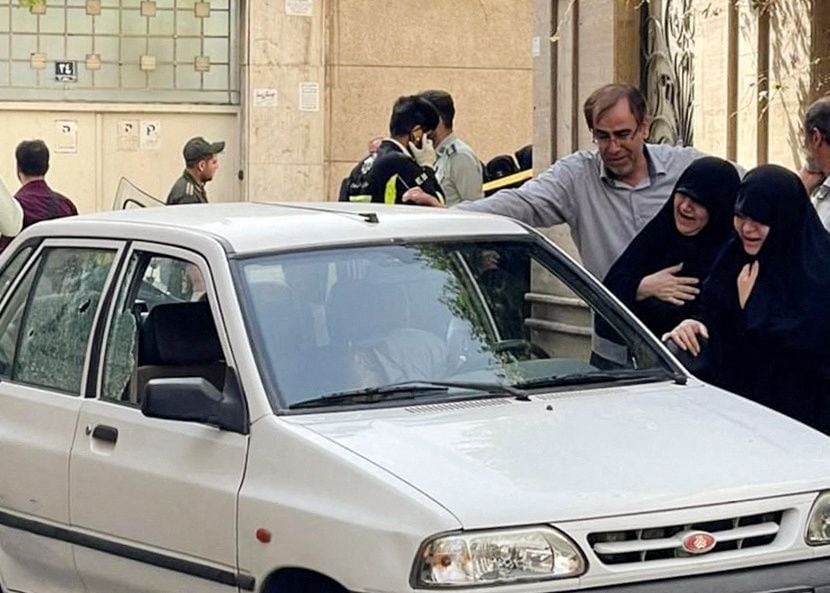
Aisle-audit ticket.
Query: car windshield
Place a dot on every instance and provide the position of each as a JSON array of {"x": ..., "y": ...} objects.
[{"x": 436, "y": 321}]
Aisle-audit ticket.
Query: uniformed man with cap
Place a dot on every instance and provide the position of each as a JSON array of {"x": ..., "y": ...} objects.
[
  {"x": 201, "y": 163},
  {"x": 457, "y": 168}
]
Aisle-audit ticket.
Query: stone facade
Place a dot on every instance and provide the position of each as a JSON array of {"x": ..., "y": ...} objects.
[
  {"x": 310, "y": 83},
  {"x": 363, "y": 54}
]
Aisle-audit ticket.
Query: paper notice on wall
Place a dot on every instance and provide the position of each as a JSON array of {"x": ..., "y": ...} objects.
[
  {"x": 128, "y": 135},
  {"x": 536, "y": 47},
  {"x": 149, "y": 135},
  {"x": 309, "y": 96},
  {"x": 67, "y": 135},
  {"x": 265, "y": 97},
  {"x": 298, "y": 7}
]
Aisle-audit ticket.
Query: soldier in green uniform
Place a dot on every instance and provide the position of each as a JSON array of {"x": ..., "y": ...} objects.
[
  {"x": 457, "y": 168},
  {"x": 201, "y": 163}
]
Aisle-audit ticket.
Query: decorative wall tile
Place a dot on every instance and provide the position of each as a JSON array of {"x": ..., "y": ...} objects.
[
  {"x": 202, "y": 64},
  {"x": 176, "y": 48},
  {"x": 38, "y": 61},
  {"x": 93, "y": 62},
  {"x": 147, "y": 63},
  {"x": 148, "y": 8},
  {"x": 202, "y": 10}
]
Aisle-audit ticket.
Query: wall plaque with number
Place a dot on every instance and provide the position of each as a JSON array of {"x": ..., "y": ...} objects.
[{"x": 66, "y": 72}]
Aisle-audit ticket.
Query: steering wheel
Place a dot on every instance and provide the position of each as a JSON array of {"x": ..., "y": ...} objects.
[
  {"x": 521, "y": 349},
  {"x": 518, "y": 348}
]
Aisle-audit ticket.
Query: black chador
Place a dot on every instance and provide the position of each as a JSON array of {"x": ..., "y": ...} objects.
[{"x": 712, "y": 183}]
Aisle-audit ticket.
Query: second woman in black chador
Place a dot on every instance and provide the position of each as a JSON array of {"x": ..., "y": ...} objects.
[{"x": 765, "y": 304}]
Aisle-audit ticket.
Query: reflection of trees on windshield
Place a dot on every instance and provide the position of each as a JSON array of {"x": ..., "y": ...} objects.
[
  {"x": 504, "y": 293},
  {"x": 454, "y": 294},
  {"x": 461, "y": 298}
]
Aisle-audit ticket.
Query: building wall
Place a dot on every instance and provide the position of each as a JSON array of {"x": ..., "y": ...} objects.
[
  {"x": 770, "y": 92},
  {"x": 477, "y": 50},
  {"x": 283, "y": 146},
  {"x": 363, "y": 54},
  {"x": 360, "y": 54},
  {"x": 89, "y": 173},
  {"x": 159, "y": 65}
]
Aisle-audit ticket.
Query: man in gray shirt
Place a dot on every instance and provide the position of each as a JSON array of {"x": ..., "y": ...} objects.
[
  {"x": 816, "y": 172},
  {"x": 606, "y": 195}
]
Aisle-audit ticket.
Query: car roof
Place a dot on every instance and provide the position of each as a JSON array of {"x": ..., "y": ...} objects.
[{"x": 250, "y": 227}]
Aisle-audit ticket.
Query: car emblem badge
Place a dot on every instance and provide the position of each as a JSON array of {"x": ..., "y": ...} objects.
[{"x": 699, "y": 542}]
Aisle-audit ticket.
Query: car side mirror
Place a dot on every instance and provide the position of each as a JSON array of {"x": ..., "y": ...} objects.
[{"x": 194, "y": 399}]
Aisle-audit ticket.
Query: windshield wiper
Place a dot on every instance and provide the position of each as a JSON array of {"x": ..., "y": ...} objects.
[
  {"x": 617, "y": 376},
  {"x": 405, "y": 390}
]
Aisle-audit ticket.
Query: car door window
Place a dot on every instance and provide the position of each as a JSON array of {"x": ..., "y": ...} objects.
[
  {"x": 13, "y": 267},
  {"x": 121, "y": 341},
  {"x": 47, "y": 324},
  {"x": 150, "y": 281},
  {"x": 10, "y": 321}
]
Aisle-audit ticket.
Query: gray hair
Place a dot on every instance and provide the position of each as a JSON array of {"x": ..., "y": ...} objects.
[{"x": 818, "y": 117}]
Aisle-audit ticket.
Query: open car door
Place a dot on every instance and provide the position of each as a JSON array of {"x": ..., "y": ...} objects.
[{"x": 128, "y": 195}]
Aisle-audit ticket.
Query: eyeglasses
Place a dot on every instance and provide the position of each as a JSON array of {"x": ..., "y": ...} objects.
[{"x": 621, "y": 136}]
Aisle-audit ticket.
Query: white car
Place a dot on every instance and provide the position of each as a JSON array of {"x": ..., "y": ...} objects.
[{"x": 354, "y": 398}]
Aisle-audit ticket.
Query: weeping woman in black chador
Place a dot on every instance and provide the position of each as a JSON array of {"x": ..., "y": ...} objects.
[
  {"x": 659, "y": 273},
  {"x": 766, "y": 303}
]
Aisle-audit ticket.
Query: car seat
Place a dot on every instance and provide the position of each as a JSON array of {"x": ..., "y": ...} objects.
[{"x": 179, "y": 340}]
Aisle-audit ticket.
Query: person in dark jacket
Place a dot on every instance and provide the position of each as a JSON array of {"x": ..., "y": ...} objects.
[
  {"x": 764, "y": 305},
  {"x": 659, "y": 274},
  {"x": 36, "y": 199},
  {"x": 406, "y": 158}
]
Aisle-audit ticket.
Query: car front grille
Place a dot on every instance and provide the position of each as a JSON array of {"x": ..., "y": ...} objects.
[{"x": 659, "y": 543}]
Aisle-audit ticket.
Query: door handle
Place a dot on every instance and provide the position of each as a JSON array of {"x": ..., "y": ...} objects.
[{"x": 102, "y": 432}]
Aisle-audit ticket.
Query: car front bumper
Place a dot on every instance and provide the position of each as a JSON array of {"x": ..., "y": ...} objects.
[{"x": 809, "y": 576}]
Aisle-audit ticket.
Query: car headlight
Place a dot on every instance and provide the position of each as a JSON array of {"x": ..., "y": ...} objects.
[
  {"x": 496, "y": 557},
  {"x": 818, "y": 526}
]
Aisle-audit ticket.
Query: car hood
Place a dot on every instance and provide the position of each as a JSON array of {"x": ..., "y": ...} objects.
[{"x": 586, "y": 454}]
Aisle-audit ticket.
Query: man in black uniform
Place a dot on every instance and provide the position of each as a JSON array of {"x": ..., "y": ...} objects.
[
  {"x": 201, "y": 162},
  {"x": 405, "y": 159}
]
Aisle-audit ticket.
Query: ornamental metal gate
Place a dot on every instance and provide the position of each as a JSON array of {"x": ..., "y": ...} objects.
[{"x": 667, "y": 28}]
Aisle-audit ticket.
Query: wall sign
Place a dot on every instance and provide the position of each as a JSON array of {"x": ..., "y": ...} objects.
[
  {"x": 128, "y": 135},
  {"x": 66, "y": 72},
  {"x": 67, "y": 135},
  {"x": 298, "y": 7},
  {"x": 149, "y": 135},
  {"x": 265, "y": 97},
  {"x": 309, "y": 96}
]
